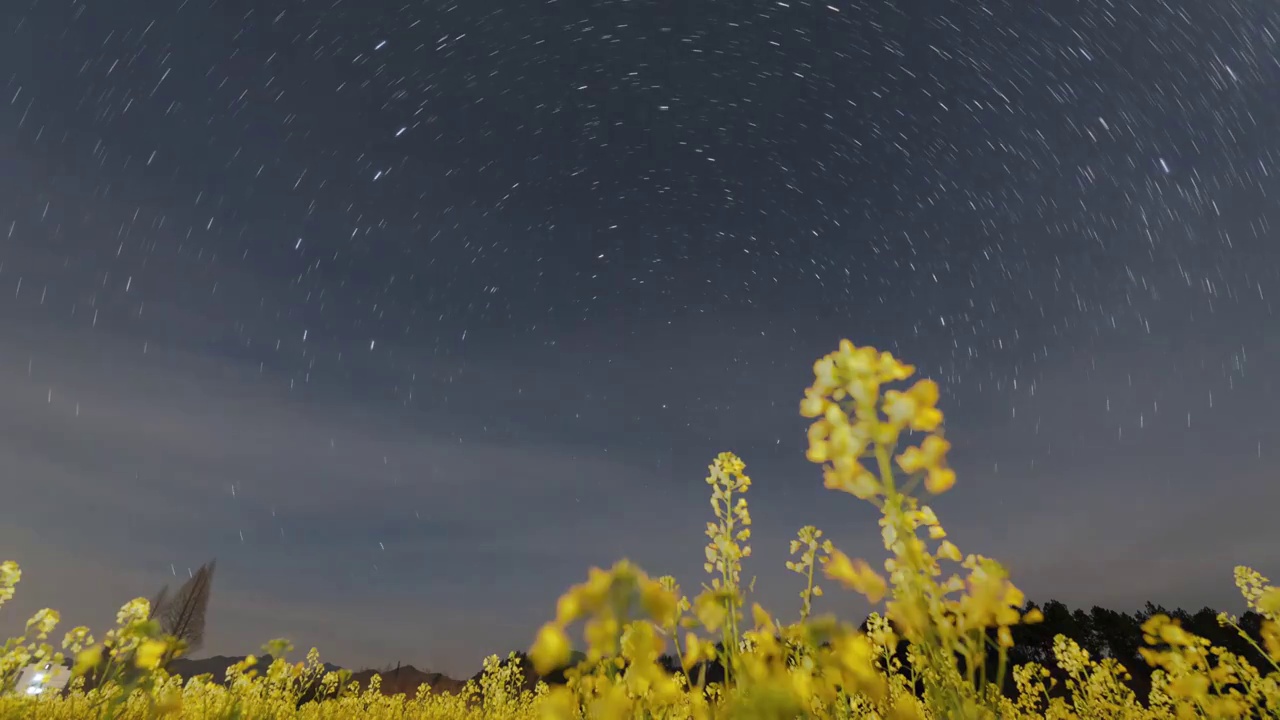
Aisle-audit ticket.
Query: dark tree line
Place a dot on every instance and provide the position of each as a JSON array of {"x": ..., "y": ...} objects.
[
  {"x": 1109, "y": 634},
  {"x": 1105, "y": 633}
]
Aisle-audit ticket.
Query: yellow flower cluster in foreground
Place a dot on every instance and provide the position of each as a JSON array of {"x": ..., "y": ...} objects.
[{"x": 954, "y": 613}]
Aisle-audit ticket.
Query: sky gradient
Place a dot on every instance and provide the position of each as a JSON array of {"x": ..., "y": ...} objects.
[{"x": 408, "y": 313}]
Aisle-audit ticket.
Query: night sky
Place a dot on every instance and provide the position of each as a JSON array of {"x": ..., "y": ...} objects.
[{"x": 409, "y": 312}]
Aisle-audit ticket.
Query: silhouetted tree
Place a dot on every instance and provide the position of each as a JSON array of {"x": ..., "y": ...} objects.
[{"x": 183, "y": 615}]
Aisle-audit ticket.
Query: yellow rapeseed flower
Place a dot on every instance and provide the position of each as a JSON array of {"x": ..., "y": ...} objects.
[
  {"x": 697, "y": 650},
  {"x": 601, "y": 634},
  {"x": 813, "y": 405},
  {"x": 560, "y": 703},
  {"x": 824, "y": 374},
  {"x": 77, "y": 639},
  {"x": 949, "y": 551},
  {"x": 915, "y": 407},
  {"x": 929, "y": 454},
  {"x": 660, "y": 603},
  {"x": 551, "y": 650},
  {"x": 1269, "y": 602},
  {"x": 10, "y": 575},
  {"x": 149, "y": 654},
  {"x": 890, "y": 369},
  {"x": 899, "y": 407},
  {"x": 850, "y": 476},
  {"x": 136, "y": 610},
  {"x": 1194, "y": 686},
  {"x": 568, "y": 608},
  {"x": 939, "y": 480},
  {"x": 592, "y": 594},
  {"x": 87, "y": 659},
  {"x": 856, "y": 575},
  {"x": 1271, "y": 639},
  {"x": 1004, "y": 637},
  {"x": 856, "y": 659},
  {"x": 43, "y": 622}
]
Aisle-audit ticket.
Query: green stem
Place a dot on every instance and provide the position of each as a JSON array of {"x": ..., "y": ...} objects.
[
  {"x": 730, "y": 633},
  {"x": 1255, "y": 646},
  {"x": 675, "y": 640},
  {"x": 808, "y": 591}
]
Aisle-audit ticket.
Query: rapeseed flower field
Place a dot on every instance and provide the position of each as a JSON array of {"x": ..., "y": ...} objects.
[{"x": 877, "y": 441}]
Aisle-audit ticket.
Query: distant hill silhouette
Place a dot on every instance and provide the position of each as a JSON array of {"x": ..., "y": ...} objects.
[
  {"x": 218, "y": 664},
  {"x": 403, "y": 679},
  {"x": 407, "y": 679}
]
